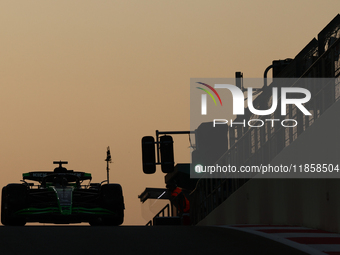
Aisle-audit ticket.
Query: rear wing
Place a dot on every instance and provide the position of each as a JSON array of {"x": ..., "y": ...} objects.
[{"x": 38, "y": 175}]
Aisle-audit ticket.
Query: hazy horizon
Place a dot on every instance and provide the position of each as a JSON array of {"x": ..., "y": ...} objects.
[{"x": 78, "y": 76}]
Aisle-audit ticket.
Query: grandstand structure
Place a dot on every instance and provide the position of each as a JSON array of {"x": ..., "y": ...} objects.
[{"x": 282, "y": 201}]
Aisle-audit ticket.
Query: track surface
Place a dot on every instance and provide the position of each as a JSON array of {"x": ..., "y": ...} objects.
[{"x": 135, "y": 240}]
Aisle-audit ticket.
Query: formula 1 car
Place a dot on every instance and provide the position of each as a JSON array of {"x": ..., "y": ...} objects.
[{"x": 61, "y": 198}]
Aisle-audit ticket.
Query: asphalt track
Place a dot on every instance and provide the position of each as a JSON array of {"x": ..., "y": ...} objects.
[{"x": 135, "y": 240}]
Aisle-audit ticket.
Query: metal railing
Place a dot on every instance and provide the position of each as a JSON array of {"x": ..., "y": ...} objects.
[{"x": 161, "y": 213}]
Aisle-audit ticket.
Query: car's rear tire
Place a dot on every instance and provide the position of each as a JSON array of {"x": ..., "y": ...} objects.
[
  {"x": 14, "y": 197},
  {"x": 111, "y": 198}
]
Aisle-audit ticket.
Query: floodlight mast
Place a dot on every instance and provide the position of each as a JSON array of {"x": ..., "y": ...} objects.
[{"x": 108, "y": 160}]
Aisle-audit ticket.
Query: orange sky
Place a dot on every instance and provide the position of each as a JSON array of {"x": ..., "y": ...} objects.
[{"x": 78, "y": 76}]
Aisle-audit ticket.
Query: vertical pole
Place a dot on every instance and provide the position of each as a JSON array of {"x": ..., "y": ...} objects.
[
  {"x": 107, "y": 169},
  {"x": 157, "y": 145},
  {"x": 108, "y": 160}
]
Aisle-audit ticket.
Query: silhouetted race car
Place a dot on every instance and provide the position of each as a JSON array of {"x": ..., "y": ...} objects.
[{"x": 61, "y": 198}]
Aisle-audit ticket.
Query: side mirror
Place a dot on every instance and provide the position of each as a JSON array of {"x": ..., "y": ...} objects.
[
  {"x": 148, "y": 155},
  {"x": 167, "y": 154}
]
